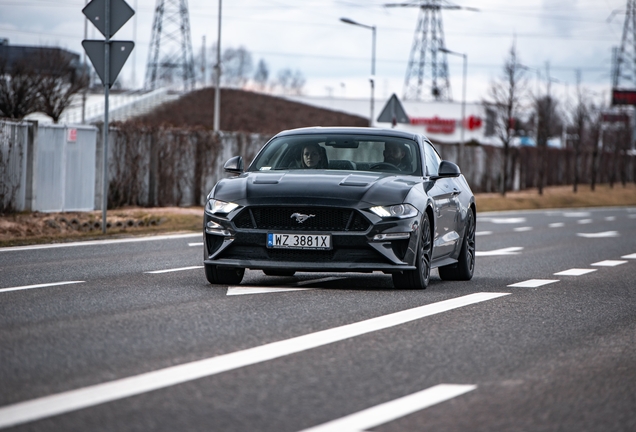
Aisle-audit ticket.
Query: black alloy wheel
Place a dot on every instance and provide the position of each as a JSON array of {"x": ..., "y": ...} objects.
[{"x": 223, "y": 275}]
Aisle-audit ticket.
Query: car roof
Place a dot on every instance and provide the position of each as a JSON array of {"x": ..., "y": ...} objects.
[{"x": 319, "y": 130}]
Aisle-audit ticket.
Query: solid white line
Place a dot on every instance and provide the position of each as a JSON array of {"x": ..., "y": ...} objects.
[
  {"x": 386, "y": 412},
  {"x": 533, "y": 283},
  {"x": 99, "y": 242},
  {"x": 609, "y": 263},
  {"x": 244, "y": 290},
  {"x": 313, "y": 281},
  {"x": 174, "y": 270},
  {"x": 25, "y": 287},
  {"x": 60, "y": 403},
  {"x": 575, "y": 272}
]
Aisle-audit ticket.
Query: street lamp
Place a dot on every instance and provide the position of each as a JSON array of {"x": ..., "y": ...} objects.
[
  {"x": 463, "y": 121},
  {"x": 372, "y": 79}
]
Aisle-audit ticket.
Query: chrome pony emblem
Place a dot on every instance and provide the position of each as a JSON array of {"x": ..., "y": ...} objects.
[{"x": 300, "y": 218}]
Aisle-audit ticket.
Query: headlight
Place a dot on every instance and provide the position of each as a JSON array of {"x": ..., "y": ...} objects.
[
  {"x": 399, "y": 211},
  {"x": 215, "y": 206}
]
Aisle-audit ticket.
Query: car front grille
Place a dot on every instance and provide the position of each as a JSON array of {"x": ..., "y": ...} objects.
[{"x": 317, "y": 219}]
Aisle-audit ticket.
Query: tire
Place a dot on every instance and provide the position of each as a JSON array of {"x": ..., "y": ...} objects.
[
  {"x": 420, "y": 277},
  {"x": 275, "y": 272},
  {"x": 223, "y": 275},
  {"x": 465, "y": 266}
]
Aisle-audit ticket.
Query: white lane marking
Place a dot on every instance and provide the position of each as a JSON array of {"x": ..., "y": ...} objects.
[
  {"x": 533, "y": 283},
  {"x": 631, "y": 256},
  {"x": 99, "y": 242},
  {"x": 610, "y": 218},
  {"x": 195, "y": 244},
  {"x": 576, "y": 214},
  {"x": 584, "y": 221},
  {"x": 599, "y": 234},
  {"x": 609, "y": 263},
  {"x": 523, "y": 229},
  {"x": 244, "y": 290},
  {"x": 483, "y": 233},
  {"x": 313, "y": 281},
  {"x": 25, "y": 287},
  {"x": 174, "y": 270},
  {"x": 575, "y": 272},
  {"x": 503, "y": 220},
  {"x": 392, "y": 410},
  {"x": 505, "y": 251},
  {"x": 632, "y": 216},
  {"x": 556, "y": 225},
  {"x": 47, "y": 406}
]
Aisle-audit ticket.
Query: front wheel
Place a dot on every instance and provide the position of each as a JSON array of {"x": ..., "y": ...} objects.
[
  {"x": 223, "y": 275},
  {"x": 465, "y": 266},
  {"x": 418, "y": 278}
]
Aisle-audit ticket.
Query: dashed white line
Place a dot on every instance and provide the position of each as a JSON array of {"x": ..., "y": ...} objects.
[
  {"x": 533, "y": 283},
  {"x": 630, "y": 256},
  {"x": 575, "y": 272},
  {"x": 556, "y": 225},
  {"x": 388, "y": 411},
  {"x": 609, "y": 263},
  {"x": 523, "y": 229},
  {"x": 497, "y": 220},
  {"x": 584, "y": 221},
  {"x": 576, "y": 214},
  {"x": 35, "y": 409},
  {"x": 26, "y": 287},
  {"x": 174, "y": 270},
  {"x": 505, "y": 251},
  {"x": 195, "y": 244},
  {"x": 610, "y": 218},
  {"x": 599, "y": 234},
  {"x": 483, "y": 233}
]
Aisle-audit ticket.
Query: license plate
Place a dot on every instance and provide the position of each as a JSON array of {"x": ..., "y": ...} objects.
[{"x": 298, "y": 241}]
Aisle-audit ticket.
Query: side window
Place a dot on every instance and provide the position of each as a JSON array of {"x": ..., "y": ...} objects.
[{"x": 432, "y": 159}]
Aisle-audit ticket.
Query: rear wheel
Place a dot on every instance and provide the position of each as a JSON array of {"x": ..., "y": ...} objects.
[
  {"x": 465, "y": 266},
  {"x": 223, "y": 275},
  {"x": 276, "y": 272},
  {"x": 418, "y": 278}
]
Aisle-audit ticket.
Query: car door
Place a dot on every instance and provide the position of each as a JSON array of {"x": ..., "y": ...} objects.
[{"x": 444, "y": 193}]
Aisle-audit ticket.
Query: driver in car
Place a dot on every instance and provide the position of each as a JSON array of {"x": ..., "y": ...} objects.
[{"x": 396, "y": 154}]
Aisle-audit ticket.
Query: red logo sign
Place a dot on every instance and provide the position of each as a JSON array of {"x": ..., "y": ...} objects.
[
  {"x": 72, "y": 135},
  {"x": 446, "y": 126}
]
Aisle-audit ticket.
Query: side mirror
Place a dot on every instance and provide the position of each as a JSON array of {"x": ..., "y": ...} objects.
[
  {"x": 234, "y": 165},
  {"x": 448, "y": 169}
]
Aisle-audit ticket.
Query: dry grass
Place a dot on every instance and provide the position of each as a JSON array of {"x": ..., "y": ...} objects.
[
  {"x": 559, "y": 197},
  {"x": 32, "y": 228}
]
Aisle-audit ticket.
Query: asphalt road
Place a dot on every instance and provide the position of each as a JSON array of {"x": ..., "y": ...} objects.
[{"x": 125, "y": 345}]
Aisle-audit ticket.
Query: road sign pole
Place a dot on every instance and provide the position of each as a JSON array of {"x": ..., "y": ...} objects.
[{"x": 106, "y": 108}]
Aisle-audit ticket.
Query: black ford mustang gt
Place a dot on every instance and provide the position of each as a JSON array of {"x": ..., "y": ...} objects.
[{"x": 342, "y": 200}]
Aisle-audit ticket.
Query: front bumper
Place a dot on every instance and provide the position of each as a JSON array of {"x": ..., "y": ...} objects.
[{"x": 226, "y": 245}]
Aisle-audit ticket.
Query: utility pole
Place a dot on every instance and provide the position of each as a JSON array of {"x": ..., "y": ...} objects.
[{"x": 217, "y": 84}]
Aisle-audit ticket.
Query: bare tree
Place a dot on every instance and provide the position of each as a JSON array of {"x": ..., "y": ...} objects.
[
  {"x": 18, "y": 91},
  {"x": 59, "y": 79},
  {"x": 505, "y": 96},
  {"x": 548, "y": 126},
  {"x": 579, "y": 119},
  {"x": 262, "y": 75},
  {"x": 290, "y": 82},
  {"x": 237, "y": 66}
]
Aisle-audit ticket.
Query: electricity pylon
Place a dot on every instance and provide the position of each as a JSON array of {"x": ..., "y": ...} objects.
[
  {"x": 170, "y": 56},
  {"x": 624, "y": 58},
  {"x": 427, "y": 71}
]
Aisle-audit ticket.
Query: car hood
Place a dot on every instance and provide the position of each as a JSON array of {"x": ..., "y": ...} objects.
[{"x": 311, "y": 188}]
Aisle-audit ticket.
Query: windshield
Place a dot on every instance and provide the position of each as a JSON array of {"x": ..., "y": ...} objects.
[{"x": 340, "y": 152}]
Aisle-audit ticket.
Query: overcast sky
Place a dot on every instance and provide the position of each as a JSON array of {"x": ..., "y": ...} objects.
[{"x": 335, "y": 58}]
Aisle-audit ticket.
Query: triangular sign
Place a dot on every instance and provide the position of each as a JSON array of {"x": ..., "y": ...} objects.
[
  {"x": 119, "y": 52},
  {"x": 393, "y": 112},
  {"x": 120, "y": 12}
]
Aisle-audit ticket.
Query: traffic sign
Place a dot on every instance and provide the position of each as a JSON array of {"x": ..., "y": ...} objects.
[
  {"x": 119, "y": 52},
  {"x": 120, "y": 13}
]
